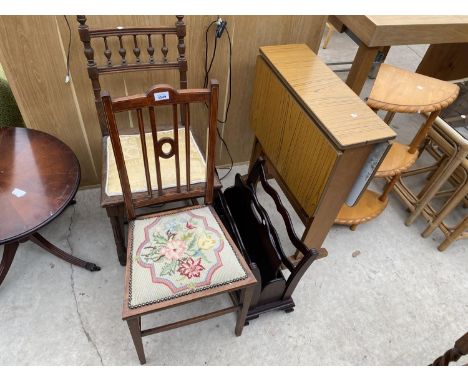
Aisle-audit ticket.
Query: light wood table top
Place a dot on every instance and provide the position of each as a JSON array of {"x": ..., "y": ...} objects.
[
  {"x": 343, "y": 116},
  {"x": 376, "y": 31}
]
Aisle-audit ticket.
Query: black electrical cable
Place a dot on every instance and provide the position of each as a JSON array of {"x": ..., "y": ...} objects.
[
  {"x": 230, "y": 76},
  {"x": 229, "y": 153},
  {"x": 208, "y": 69},
  {"x": 67, "y": 78},
  {"x": 205, "y": 84}
]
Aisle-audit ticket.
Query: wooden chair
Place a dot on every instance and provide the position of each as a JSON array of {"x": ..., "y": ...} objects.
[
  {"x": 141, "y": 58},
  {"x": 179, "y": 256},
  {"x": 399, "y": 91},
  {"x": 252, "y": 230}
]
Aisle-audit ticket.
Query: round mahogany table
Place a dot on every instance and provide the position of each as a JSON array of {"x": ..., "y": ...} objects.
[{"x": 39, "y": 177}]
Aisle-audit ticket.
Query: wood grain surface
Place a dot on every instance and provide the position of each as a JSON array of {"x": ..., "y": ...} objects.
[
  {"x": 376, "y": 31},
  {"x": 342, "y": 116},
  {"x": 34, "y": 63},
  {"x": 401, "y": 91},
  {"x": 286, "y": 134},
  {"x": 33, "y": 55}
]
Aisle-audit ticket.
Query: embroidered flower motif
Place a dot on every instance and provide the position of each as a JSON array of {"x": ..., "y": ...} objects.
[
  {"x": 190, "y": 268},
  {"x": 172, "y": 225},
  {"x": 174, "y": 249},
  {"x": 206, "y": 242}
]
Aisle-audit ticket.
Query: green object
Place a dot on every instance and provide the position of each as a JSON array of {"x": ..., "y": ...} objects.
[{"x": 9, "y": 112}]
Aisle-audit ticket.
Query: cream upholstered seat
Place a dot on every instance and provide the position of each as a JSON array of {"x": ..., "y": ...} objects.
[
  {"x": 131, "y": 147},
  {"x": 175, "y": 253}
]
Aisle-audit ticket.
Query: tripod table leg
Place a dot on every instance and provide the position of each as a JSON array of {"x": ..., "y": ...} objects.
[
  {"x": 38, "y": 239},
  {"x": 8, "y": 255}
]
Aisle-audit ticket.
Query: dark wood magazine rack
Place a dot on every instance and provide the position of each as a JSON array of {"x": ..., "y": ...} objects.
[{"x": 252, "y": 230}]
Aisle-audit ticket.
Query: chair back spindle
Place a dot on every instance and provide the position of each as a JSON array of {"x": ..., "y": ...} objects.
[
  {"x": 156, "y": 97},
  {"x": 125, "y": 64}
]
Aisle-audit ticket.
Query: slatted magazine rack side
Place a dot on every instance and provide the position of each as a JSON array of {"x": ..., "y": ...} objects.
[{"x": 257, "y": 238}]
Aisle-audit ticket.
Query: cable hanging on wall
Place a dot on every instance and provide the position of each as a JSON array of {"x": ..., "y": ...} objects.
[
  {"x": 67, "y": 76},
  {"x": 221, "y": 26}
]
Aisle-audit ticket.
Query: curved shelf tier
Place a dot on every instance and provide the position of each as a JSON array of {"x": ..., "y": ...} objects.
[
  {"x": 368, "y": 208},
  {"x": 396, "y": 161}
]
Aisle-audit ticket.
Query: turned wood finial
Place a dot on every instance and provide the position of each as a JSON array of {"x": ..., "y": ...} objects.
[
  {"x": 85, "y": 37},
  {"x": 181, "y": 32},
  {"x": 82, "y": 20}
]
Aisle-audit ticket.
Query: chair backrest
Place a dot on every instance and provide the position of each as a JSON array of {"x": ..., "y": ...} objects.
[
  {"x": 156, "y": 97},
  {"x": 122, "y": 64}
]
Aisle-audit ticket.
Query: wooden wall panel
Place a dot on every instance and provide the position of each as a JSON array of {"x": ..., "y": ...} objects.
[
  {"x": 32, "y": 56},
  {"x": 251, "y": 32},
  {"x": 39, "y": 42}
]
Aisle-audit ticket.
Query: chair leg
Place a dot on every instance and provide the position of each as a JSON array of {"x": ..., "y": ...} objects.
[
  {"x": 454, "y": 235},
  {"x": 246, "y": 299},
  {"x": 446, "y": 209},
  {"x": 134, "y": 325},
  {"x": 116, "y": 220},
  {"x": 432, "y": 190}
]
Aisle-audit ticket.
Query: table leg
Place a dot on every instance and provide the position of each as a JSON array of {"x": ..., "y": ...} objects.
[
  {"x": 117, "y": 222},
  {"x": 38, "y": 239},
  {"x": 257, "y": 151},
  {"x": 362, "y": 64},
  {"x": 346, "y": 171},
  {"x": 9, "y": 251}
]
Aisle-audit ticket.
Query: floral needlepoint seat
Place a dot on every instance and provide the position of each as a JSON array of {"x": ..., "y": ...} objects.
[{"x": 178, "y": 253}]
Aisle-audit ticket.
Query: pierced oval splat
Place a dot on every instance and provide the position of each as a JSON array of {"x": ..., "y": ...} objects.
[{"x": 163, "y": 149}]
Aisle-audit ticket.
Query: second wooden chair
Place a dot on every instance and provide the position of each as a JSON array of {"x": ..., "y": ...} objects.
[{"x": 118, "y": 55}]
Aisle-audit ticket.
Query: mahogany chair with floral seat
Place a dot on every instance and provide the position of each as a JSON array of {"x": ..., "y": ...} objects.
[
  {"x": 182, "y": 255},
  {"x": 124, "y": 50}
]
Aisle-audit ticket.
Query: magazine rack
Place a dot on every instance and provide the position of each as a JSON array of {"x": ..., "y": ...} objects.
[{"x": 256, "y": 237}]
